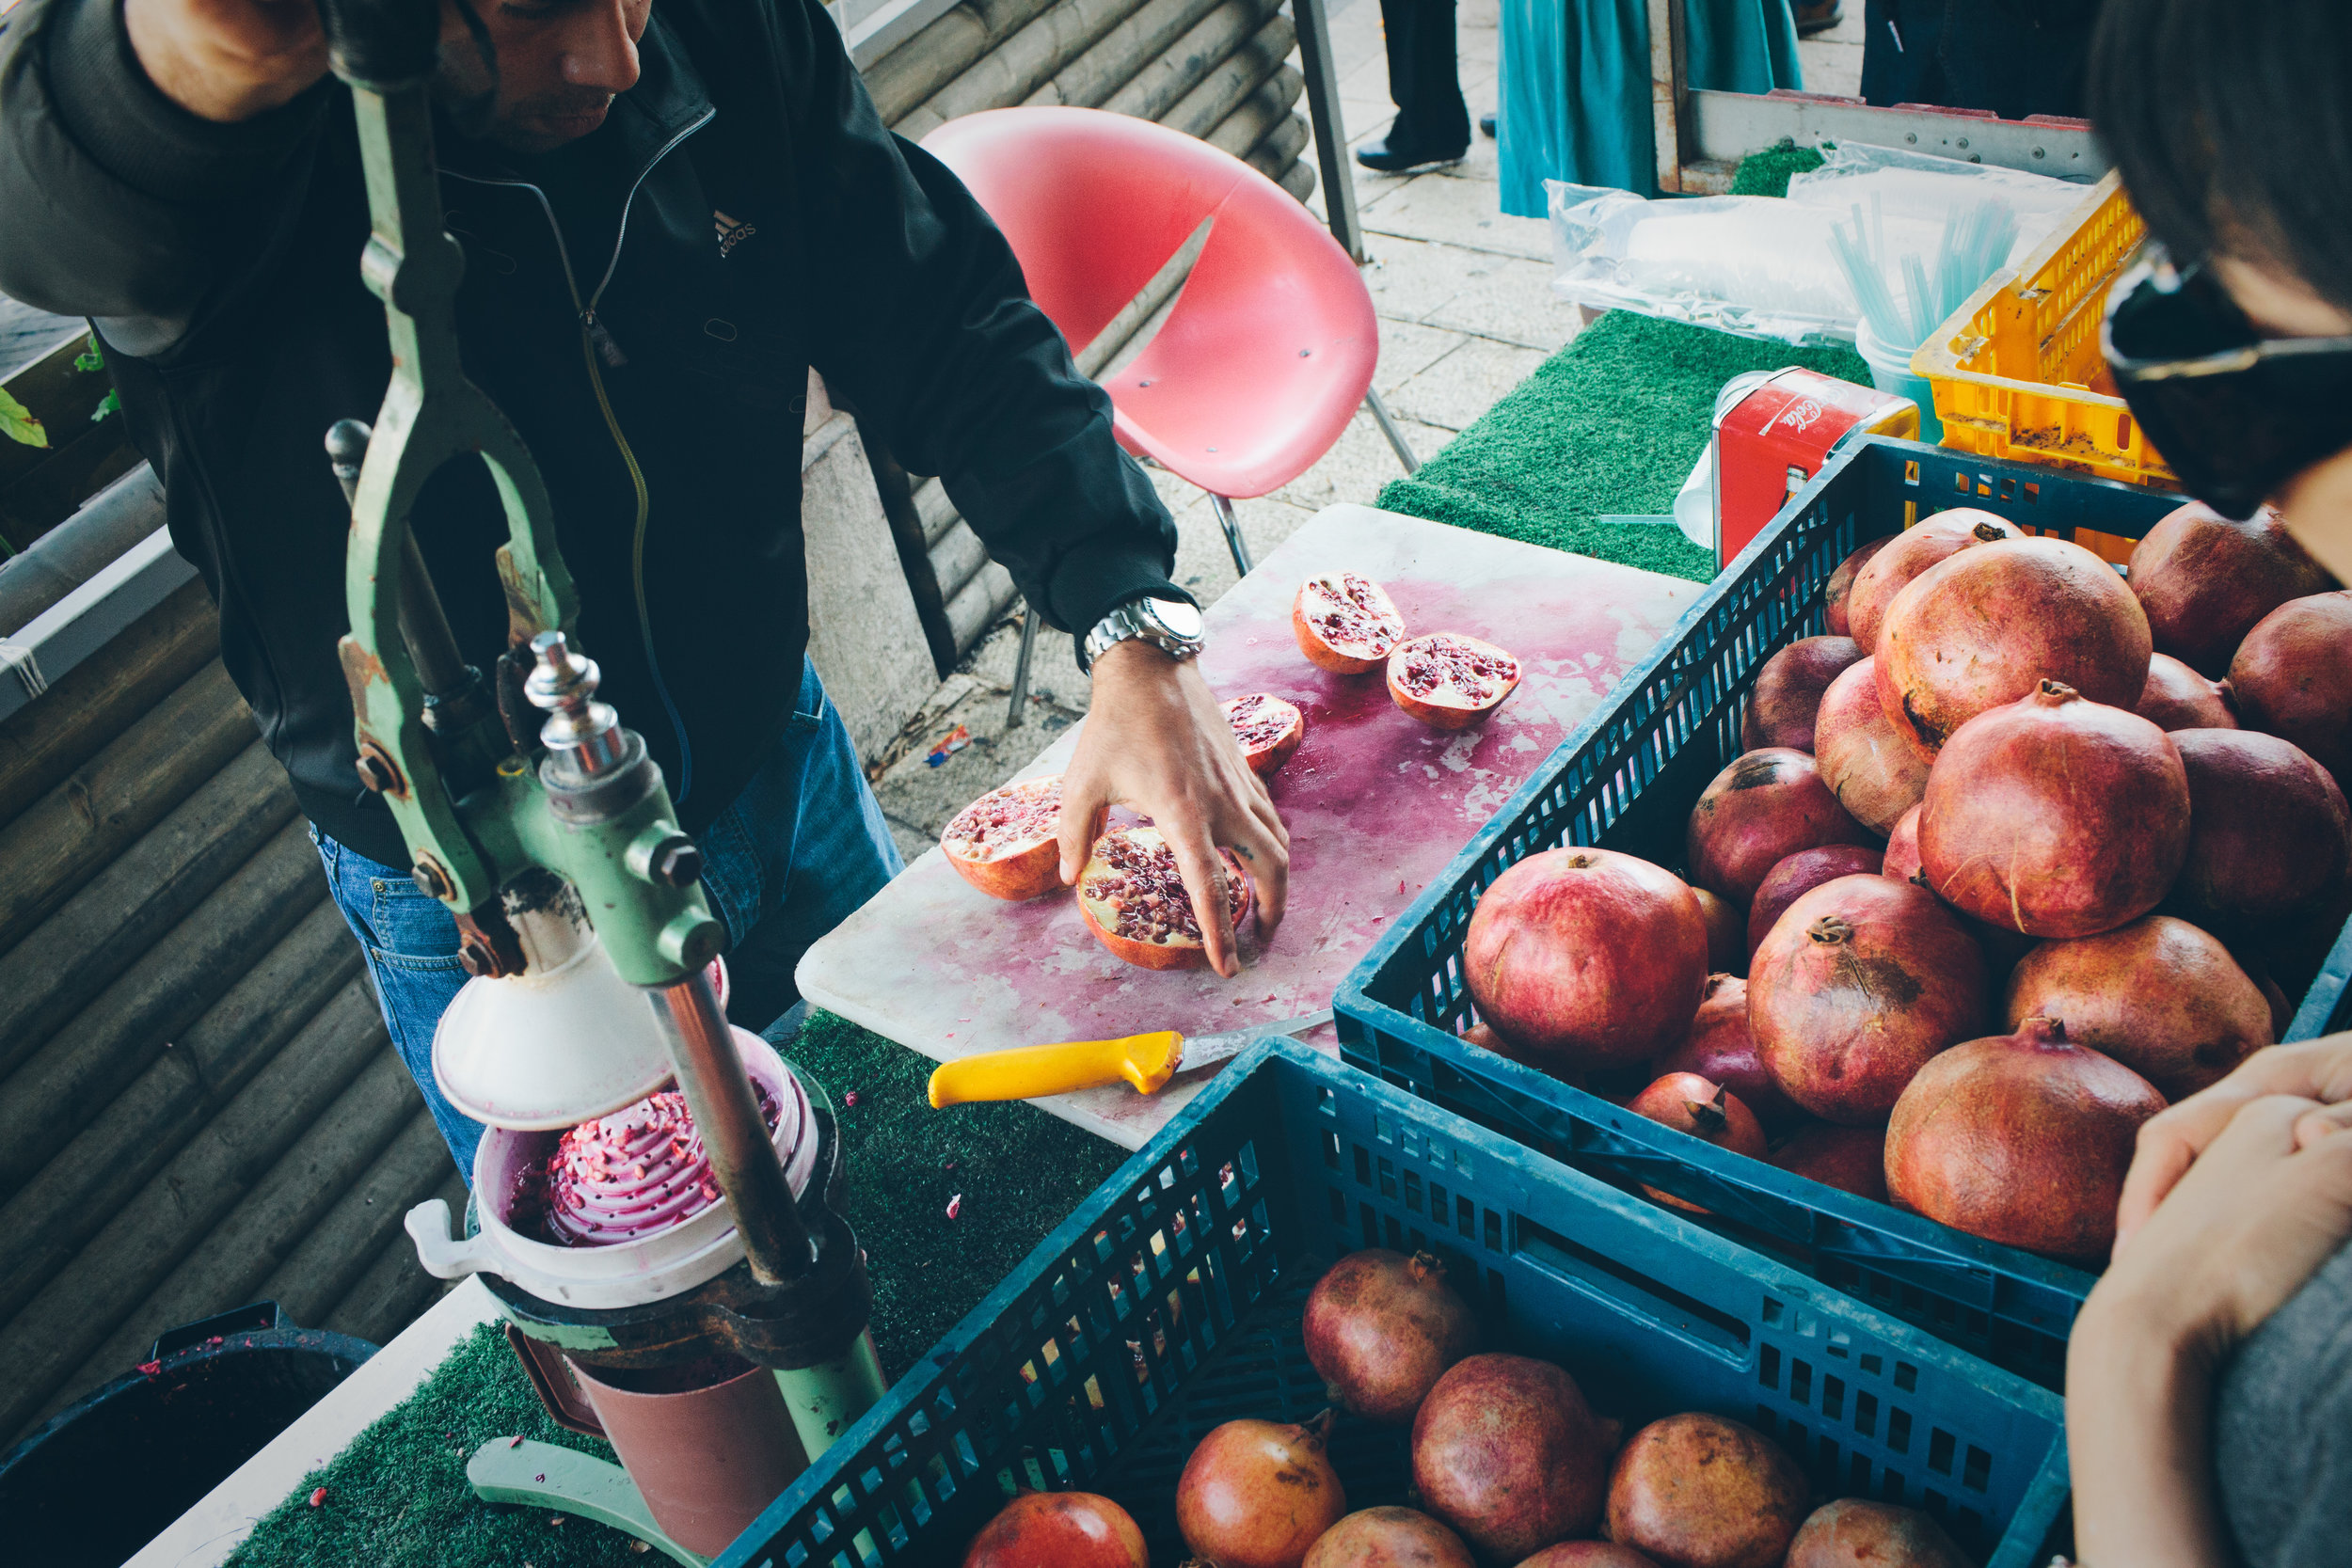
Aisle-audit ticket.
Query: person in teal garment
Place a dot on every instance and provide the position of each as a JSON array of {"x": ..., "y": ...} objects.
[{"x": 1575, "y": 102}]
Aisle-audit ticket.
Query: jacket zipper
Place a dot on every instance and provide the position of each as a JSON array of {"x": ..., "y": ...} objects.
[{"x": 597, "y": 342}]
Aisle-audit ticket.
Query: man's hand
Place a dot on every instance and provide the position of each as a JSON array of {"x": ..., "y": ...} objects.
[
  {"x": 1156, "y": 742},
  {"x": 227, "y": 60}
]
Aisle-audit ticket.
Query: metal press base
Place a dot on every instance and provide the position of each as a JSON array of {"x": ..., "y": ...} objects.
[{"x": 565, "y": 1481}]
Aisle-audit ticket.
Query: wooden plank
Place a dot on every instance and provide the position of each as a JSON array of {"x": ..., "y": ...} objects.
[
  {"x": 1120, "y": 53},
  {"x": 1012, "y": 70},
  {"x": 141, "y": 1244},
  {"x": 200, "y": 964},
  {"x": 328, "y": 1261},
  {"x": 1257, "y": 117},
  {"x": 395, "y": 1289},
  {"x": 100, "y": 697},
  {"x": 89, "y": 816},
  {"x": 1234, "y": 78},
  {"x": 1274, "y": 156},
  {"x": 110, "y": 924},
  {"x": 1163, "y": 82},
  {"x": 944, "y": 51}
]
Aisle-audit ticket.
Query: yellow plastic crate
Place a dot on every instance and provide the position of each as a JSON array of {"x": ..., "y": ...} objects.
[{"x": 2017, "y": 373}]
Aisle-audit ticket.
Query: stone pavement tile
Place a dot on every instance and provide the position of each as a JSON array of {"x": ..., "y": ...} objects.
[
  {"x": 1832, "y": 68},
  {"x": 1410, "y": 279},
  {"x": 1508, "y": 298},
  {"x": 1461, "y": 211},
  {"x": 911, "y": 843},
  {"x": 1479, "y": 162},
  {"x": 1053, "y": 669},
  {"x": 917, "y": 796},
  {"x": 1452, "y": 392},
  {"x": 1355, "y": 35},
  {"x": 1407, "y": 350},
  {"x": 1357, "y": 464}
]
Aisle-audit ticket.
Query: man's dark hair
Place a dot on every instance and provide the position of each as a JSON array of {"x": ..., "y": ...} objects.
[{"x": 2231, "y": 123}]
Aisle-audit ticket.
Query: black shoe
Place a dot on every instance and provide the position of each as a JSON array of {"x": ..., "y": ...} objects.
[
  {"x": 1486, "y": 126},
  {"x": 1818, "y": 16},
  {"x": 1388, "y": 158}
]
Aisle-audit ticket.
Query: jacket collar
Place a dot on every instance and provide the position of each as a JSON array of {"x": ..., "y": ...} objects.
[{"x": 668, "y": 99}]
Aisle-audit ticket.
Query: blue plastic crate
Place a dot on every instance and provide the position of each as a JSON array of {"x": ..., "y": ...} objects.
[
  {"x": 1170, "y": 1302},
  {"x": 1626, "y": 779}
]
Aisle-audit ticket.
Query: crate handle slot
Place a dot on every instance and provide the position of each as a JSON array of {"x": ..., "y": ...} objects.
[{"x": 1631, "y": 1292}]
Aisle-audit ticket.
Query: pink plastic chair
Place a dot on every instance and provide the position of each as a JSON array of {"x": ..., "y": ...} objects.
[{"x": 1271, "y": 345}]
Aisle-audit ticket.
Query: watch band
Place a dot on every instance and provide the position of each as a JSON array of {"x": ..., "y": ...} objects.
[{"x": 1138, "y": 618}]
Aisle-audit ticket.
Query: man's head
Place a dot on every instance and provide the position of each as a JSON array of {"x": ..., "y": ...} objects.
[{"x": 560, "y": 63}]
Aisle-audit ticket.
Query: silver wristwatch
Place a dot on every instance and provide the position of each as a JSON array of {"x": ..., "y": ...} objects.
[{"x": 1170, "y": 626}]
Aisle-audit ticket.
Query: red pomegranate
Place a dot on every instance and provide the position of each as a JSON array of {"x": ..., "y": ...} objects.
[
  {"x": 1388, "y": 1538},
  {"x": 1986, "y": 627},
  {"x": 1759, "y": 811},
  {"x": 1726, "y": 933},
  {"x": 2292, "y": 679},
  {"x": 2178, "y": 698},
  {"x": 1135, "y": 902},
  {"x": 1836, "y": 592},
  {"x": 1853, "y": 1532},
  {"x": 1851, "y": 1159},
  {"x": 1788, "y": 691},
  {"x": 1005, "y": 842},
  {"x": 1506, "y": 1451},
  {"x": 1586, "y": 957},
  {"x": 1345, "y": 622},
  {"x": 1908, "y": 554},
  {"x": 2158, "y": 995},
  {"x": 1721, "y": 1049},
  {"x": 1699, "y": 1491},
  {"x": 2055, "y": 816},
  {"x": 1259, "y": 1494},
  {"x": 1449, "y": 681},
  {"x": 1861, "y": 982},
  {"x": 1058, "y": 1529},
  {"x": 1870, "y": 765},
  {"x": 2022, "y": 1139},
  {"x": 1268, "y": 728},
  {"x": 1689, "y": 1103},
  {"x": 1902, "y": 849},
  {"x": 1799, "y": 874},
  {"x": 2205, "y": 579},
  {"x": 1381, "y": 1329},
  {"x": 2267, "y": 828},
  {"x": 1590, "y": 1554}
]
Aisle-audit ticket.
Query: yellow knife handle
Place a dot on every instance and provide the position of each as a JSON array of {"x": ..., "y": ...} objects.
[{"x": 1030, "y": 1071}]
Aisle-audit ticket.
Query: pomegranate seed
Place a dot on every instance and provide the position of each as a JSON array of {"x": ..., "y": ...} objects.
[
  {"x": 149, "y": 1368},
  {"x": 514, "y": 1442},
  {"x": 850, "y": 1098},
  {"x": 955, "y": 1206},
  {"x": 318, "y": 1499}
]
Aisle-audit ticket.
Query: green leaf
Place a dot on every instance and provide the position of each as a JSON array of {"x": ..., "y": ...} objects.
[
  {"x": 90, "y": 358},
  {"x": 17, "y": 424},
  {"x": 110, "y": 404}
]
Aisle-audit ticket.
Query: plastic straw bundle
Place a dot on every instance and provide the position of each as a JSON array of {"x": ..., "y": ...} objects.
[{"x": 1976, "y": 238}]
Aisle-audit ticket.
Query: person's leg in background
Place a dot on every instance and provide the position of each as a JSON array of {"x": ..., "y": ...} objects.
[
  {"x": 1432, "y": 124},
  {"x": 1902, "y": 52}
]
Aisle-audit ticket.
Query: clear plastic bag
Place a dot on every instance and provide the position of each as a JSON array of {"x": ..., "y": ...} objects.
[{"x": 1918, "y": 186}]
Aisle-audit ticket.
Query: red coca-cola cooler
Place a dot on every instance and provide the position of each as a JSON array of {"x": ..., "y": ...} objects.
[{"x": 1775, "y": 430}]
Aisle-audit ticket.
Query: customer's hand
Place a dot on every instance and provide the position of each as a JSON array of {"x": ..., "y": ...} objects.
[
  {"x": 2317, "y": 1069},
  {"x": 1156, "y": 742},
  {"x": 227, "y": 60}
]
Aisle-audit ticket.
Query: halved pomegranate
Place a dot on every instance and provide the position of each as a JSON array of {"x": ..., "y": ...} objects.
[
  {"x": 1135, "y": 902},
  {"x": 1345, "y": 622},
  {"x": 1004, "y": 842},
  {"x": 1447, "y": 680},
  {"x": 1268, "y": 728}
]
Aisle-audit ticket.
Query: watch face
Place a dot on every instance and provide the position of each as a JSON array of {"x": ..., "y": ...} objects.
[{"x": 1182, "y": 619}]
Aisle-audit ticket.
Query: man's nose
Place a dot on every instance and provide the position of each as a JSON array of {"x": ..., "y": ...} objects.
[{"x": 600, "y": 55}]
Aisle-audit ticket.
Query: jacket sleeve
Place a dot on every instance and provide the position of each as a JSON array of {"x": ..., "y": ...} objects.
[
  {"x": 921, "y": 316},
  {"x": 123, "y": 206}
]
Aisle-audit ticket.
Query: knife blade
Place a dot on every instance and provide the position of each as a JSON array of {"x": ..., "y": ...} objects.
[{"x": 1147, "y": 1061}]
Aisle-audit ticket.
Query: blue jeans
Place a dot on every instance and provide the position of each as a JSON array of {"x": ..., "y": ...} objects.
[{"x": 792, "y": 857}]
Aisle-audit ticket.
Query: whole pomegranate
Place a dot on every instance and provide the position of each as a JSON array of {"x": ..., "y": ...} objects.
[
  {"x": 1268, "y": 729},
  {"x": 1700, "y": 1491},
  {"x": 2055, "y": 816},
  {"x": 1839, "y": 588},
  {"x": 1058, "y": 1529},
  {"x": 1858, "y": 986},
  {"x": 1908, "y": 554},
  {"x": 2178, "y": 698},
  {"x": 1799, "y": 874},
  {"x": 1726, "y": 933},
  {"x": 1689, "y": 1103},
  {"x": 1134, "y": 900},
  {"x": 1851, "y": 1159},
  {"x": 1506, "y": 1451},
  {"x": 1721, "y": 1049},
  {"x": 2267, "y": 828},
  {"x": 1853, "y": 1532},
  {"x": 1984, "y": 628},
  {"x": 1789, "y": 691},
  {"x": 1345, "y": 622},
  {"x": 1006, "y": 843},
  {"x": 1258, "y": 1493},
  {"x": 2158, "y": 995},
  {"x": 1448, "y": 680},
  {"x": 1873, "y": 768},
  {"x": 1381, "y": 1329},
  {"x": 2291, "y": 677},
  {"x": 1586, "y": 957},
  {"x": 1388, "y": 1538},
  {"x": 1590, "y": 1554},
  {"x": 2205, "y": 579},
  {"x": 1759, "y": 811},
  {"x": 2022, "y": 1139},
  {"x": 1902, "y": 849}
]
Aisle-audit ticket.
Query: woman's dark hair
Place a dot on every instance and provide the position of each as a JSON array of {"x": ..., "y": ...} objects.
[{"x": 2231, "y": 123}]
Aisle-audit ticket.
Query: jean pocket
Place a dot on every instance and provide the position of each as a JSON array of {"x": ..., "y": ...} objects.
[{"x": 412, "y": 930}]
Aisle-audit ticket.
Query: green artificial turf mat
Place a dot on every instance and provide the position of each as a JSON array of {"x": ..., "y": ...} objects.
[
  {"x": 1612, "y": 423},
  {"x": 1767, "y": 173},
  {"x": 397, "y": 1496}
]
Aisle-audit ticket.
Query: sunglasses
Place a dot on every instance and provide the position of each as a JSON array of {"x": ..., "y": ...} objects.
[{"x": 2236, "y": 414}]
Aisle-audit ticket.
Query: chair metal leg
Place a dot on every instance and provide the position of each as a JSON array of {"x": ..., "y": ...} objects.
[
  {"x": 1231, "y": 526},
  {"x": 1389, "y": 428},
  {"x": 1030, "y": 623}
]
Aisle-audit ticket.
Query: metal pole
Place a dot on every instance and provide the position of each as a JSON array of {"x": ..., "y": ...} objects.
[
  {"x": 827, "y": 1399},
  {"x": 1323, "y": 107}
]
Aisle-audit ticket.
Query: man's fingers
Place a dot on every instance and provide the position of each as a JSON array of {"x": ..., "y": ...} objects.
[
  {"x": 1082, "y": 815},
  {"x": 2168, "y": 1143},
  {"x": 1205, "y": 882},
  {"x": 2316, "y": 1126}
]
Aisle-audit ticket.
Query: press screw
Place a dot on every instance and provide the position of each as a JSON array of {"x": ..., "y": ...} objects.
[
  {"x": 677, "y": 863},
  {"x": 377, "y": 773},
  {"x": 476, "y": 959},
  {"x": 432, "y": 881}
]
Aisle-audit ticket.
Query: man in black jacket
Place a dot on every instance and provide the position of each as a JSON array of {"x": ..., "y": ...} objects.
[{"x": 675, "y": 214}]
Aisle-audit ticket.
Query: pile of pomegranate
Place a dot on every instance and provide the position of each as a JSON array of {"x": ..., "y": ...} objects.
[{"x": 2022, "y": 851}]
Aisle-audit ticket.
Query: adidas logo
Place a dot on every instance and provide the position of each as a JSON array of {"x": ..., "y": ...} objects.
[{"x": 732, "y": 232}]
